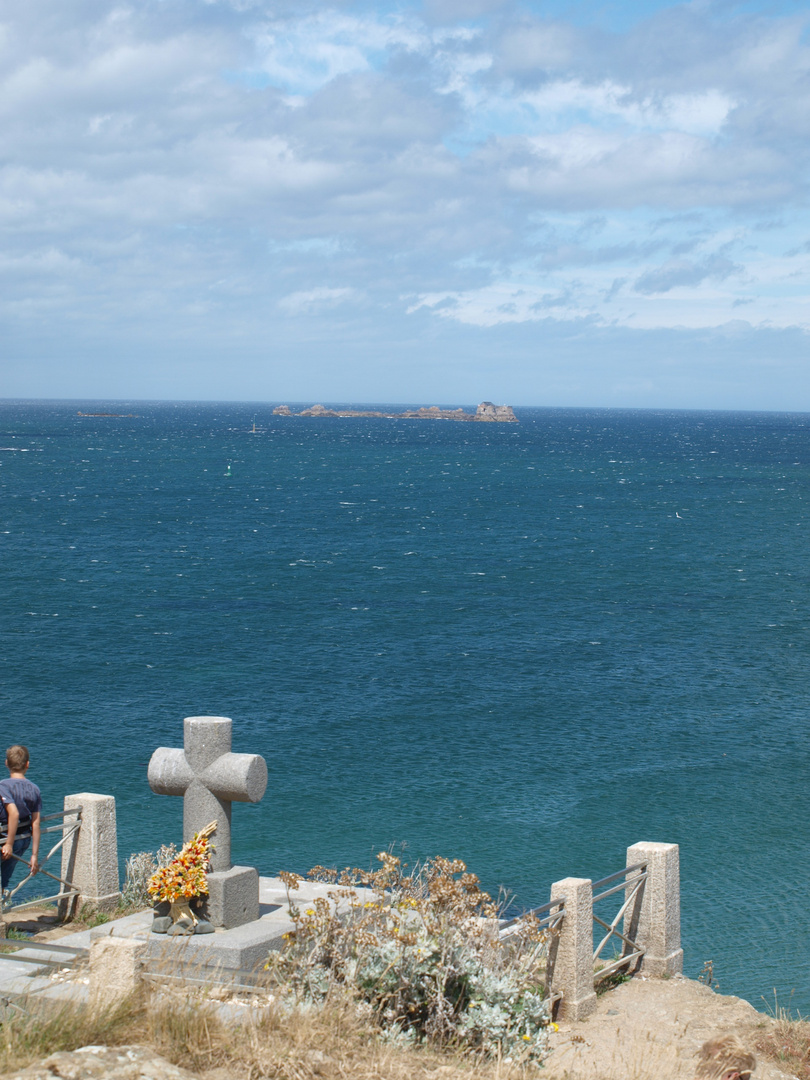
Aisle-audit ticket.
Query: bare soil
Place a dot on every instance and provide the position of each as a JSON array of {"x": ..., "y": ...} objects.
[{"x": 653, "y": 1028}]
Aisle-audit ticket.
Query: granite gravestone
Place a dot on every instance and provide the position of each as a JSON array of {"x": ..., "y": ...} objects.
[{"x": 210, "y": 777}]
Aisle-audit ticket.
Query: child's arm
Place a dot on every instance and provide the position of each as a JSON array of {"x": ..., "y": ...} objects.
[
  {"x": 35, "y": 842},
  {"x": 13, "y": 820}
]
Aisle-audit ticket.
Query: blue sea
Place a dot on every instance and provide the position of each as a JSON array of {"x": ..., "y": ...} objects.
[{"x": 523, "y": 645}]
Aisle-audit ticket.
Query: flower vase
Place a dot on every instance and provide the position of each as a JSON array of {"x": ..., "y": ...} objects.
[
  {"x": 181, "y": 918},
  {"x": 161, "y": 920},
  {"x": 180, "y": 910}
]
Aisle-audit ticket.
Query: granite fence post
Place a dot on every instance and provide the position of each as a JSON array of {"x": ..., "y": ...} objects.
[
  {"x": 115, "y": 967},
  {"x": 570, "y": 959},
  {"x": 653, "y": 919},
  {"x": 90, "y": 855}
]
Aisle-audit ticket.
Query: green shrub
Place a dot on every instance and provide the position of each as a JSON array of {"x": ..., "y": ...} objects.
[{"x": 423, "y": 955}]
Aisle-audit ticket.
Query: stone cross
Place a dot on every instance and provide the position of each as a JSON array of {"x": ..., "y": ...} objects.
[{"x": 210, "y": 778}]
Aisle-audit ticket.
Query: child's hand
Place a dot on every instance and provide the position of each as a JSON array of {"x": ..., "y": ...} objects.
[
  {"x": 7, "y": 850},
  {"x": 34, "y": 865}
]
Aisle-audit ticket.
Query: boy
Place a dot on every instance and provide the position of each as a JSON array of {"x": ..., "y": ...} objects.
[
  {"x": 20, "y": 809},
  {"x": 726, "y": 1058}
]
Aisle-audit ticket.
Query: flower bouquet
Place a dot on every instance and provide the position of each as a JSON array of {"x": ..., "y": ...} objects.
[{"x": 180, "y": 882}]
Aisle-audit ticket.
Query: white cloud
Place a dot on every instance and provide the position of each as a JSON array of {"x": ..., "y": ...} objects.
[
  {"x": 701, "y": 293},
  {"x": 585, "y": 301},
  {"x": 558, "y": 102},
  {"x": 225, "y": 158},
  {"x": 304, "y": 54}
]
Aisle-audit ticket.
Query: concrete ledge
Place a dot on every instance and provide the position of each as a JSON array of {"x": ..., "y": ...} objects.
[{"x": 243, "y": 948}]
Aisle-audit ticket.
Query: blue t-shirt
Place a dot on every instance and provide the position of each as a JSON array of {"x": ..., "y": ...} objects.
[{"x": 24, "y": 794}]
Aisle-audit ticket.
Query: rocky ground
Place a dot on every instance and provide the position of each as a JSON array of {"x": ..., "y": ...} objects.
[
  {"x": 654, "y": 1028},
  {"x": 105, "y": 1063}
]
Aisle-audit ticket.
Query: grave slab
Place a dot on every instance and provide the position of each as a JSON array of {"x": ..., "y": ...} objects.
[{"x": 243, "y": 948}]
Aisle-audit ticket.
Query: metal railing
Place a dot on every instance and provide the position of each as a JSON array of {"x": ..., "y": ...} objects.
[
  {"x": 550, "y": 921},
  {"x": 67, "y": 889},
  {"x": 64, "y": 955},
  {"x": 57, "y": 957},
  {"x": 548, "y": 917},
  {"x": 630, "y": 949},
  {"x": 210, "y": 976}
]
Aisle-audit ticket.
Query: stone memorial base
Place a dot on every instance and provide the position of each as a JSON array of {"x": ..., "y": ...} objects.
[
  {"x": 232, "y": 901},
  {"x": 244, "y": 948},
  {"x": 233, "y": 897}
]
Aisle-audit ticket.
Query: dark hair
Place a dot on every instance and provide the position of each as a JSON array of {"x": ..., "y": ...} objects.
[{"x": 17, "y": 758}]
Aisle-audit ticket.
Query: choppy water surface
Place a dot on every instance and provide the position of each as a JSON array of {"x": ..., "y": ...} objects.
[{"x": 527, "y": 645}]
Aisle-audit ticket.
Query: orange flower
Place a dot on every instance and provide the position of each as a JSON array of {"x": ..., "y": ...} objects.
[{"x": 184, "y": 877}]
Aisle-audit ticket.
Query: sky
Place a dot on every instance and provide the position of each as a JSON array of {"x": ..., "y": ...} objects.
[{"x": 433, "y": 202}]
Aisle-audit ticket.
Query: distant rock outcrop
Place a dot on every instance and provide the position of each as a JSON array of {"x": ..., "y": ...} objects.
[
  {"x": 486, "y": 413},
  {"x": 498, "y": 414},
  {"x": 318, "y": 410}
]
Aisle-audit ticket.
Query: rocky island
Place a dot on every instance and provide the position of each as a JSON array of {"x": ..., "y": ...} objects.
[{"x": 485, "y": 413}]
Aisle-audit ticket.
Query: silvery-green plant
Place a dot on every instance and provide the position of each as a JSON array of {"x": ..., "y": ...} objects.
[
  {"x": 423, "y": 952},
  {"x": 139, "y": 868}
]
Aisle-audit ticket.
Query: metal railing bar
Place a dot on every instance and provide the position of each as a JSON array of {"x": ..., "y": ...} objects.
[
  {"x": 603, "y": 942},
  {"x": 153, "y": 963},
  {"x": 620, "y": 886},
  {"x": 622, "y": 961},
  {"x": 618, "y": 874},
  {"x": 8, "y": 904},
  {"x": 61, "y": 814},
  {"x": 39, "y": 901},
  {"x": 612, "y": 930},
  {"x": 66, "y": 835},
  {"x": 157, "y": 976},
  {"x": 559, "y": 902},
  {"x": 32, "y": 960},
  {"x": 30, "y": 876},
  {"x": 46, "y": 946},
  {"x": 73, "y": 826},
  {"x": 551, "y": 922},
  {"x": 619, "y": 914},
  {"x": 67, "y": 831}
]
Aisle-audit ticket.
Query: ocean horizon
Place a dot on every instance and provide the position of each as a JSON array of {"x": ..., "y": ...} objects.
[{"x": 527, "y": 645}]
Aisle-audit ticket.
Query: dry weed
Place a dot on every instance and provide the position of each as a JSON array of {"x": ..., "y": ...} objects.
[
  {"x": 43, "y": 1029},
  {"x": 786, "y": 1042},
  {"x": 328, "y": 1043}
]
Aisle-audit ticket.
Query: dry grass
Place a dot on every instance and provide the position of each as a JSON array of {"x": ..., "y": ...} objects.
[
  {"x": 331, "y": 1042},
  {"x": 327, "y": 1043},
  {"x": 41, "y": 1030},
  {"x": 786, "y": 1042}
]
